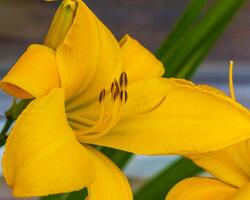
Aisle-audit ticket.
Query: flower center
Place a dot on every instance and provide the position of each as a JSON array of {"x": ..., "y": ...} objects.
[{"x": 109, "y": 116}]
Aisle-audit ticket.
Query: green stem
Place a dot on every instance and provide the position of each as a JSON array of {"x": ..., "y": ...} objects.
[
  {"x": 11, "y": 115},
  {"x": 3, "y": 134},
  {"x": 120, "y": 158}
]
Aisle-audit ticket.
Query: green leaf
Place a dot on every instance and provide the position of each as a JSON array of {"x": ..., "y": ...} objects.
[
  {"x": 217, "y": 17},
  {"x": 55, "y": 197},
  {"x": 184, "y": 24},
  {"x": 82, "y": 194},
  {"x": 119, "y": 157},
  {"x": 190, "y": 66},
  {"x": 157, "y": 187}
]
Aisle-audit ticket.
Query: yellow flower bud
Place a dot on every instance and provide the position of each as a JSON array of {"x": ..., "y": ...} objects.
[{"x": 61, "y": 23}]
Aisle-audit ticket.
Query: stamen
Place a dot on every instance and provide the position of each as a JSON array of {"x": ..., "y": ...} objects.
[
  {"x": 116, "y": 83},
  {"x": 102, "y": 96},
  {"x": 123, "y": 96},
  {"x": 76, "y": 119},
  {"x": 109, "y": 123},
  {"x": 101, "y": 116},
  {"x": 115, "y": 90},
  {"x": 112, "y": 87},
  {"x": 231, "y": 84},
  {"x": 123, "y": 80},
  {"x": 108, "y": 118},
  {"x": 103, "y": 125}
]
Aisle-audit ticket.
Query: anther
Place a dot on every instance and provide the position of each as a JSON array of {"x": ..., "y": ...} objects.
[
  {"x": 124, "y": 96},
  {"x": 123, "y": 80},
  {"x": 116, "y": 83},
  {"x": 108, "y": 117},
  {"x": 102, "y": 96},
  {"x": 112, "y": 87},
  {"x": 114, "y": 96},
  {"x": 115, "y": 86},
  {"x": 115, "y": 89}
]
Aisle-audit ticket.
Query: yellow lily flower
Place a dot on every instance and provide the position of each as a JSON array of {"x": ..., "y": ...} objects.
[
  {"x": 48, "y": 152},
  {"x": 231, "y": 167}
]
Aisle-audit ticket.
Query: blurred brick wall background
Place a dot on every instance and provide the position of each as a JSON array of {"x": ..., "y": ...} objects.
[{"x": 26, "y": 21}]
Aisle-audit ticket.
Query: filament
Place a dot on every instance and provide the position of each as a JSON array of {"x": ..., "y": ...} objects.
[
  {"x": 97, "y": 124},
  {"x": 107, "y": 119},
  {"x": 106, "y": 124}
]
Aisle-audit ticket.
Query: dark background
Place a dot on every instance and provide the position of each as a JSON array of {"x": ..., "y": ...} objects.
[{"x": 27, "y": 21}]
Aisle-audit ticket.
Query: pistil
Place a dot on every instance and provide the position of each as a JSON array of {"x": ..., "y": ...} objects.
[{"x": 231, "y": 82}]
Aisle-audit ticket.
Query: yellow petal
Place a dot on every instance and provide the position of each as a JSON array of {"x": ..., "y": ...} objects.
[
  {"x": 89, "y": 58},
  {"x": 42, "y": 155},
  {"x": 232, "y": 164},
  {"x": 109, "y": 182},
  {"x": 200, "y": 189},
  {"x": 169, "y": 116},
  {"x": 138, "y": 62},
  {"x": 242, "y": 194},
  {"x": 34, "y": 74},
  {"x": 212, "y": 90}
]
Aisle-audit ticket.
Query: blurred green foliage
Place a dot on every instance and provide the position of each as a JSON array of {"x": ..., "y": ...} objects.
[{"x": 187, "y": 47}]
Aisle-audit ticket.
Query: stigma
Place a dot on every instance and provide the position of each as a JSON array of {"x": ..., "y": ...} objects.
[{"x": 231, "y": 82}]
